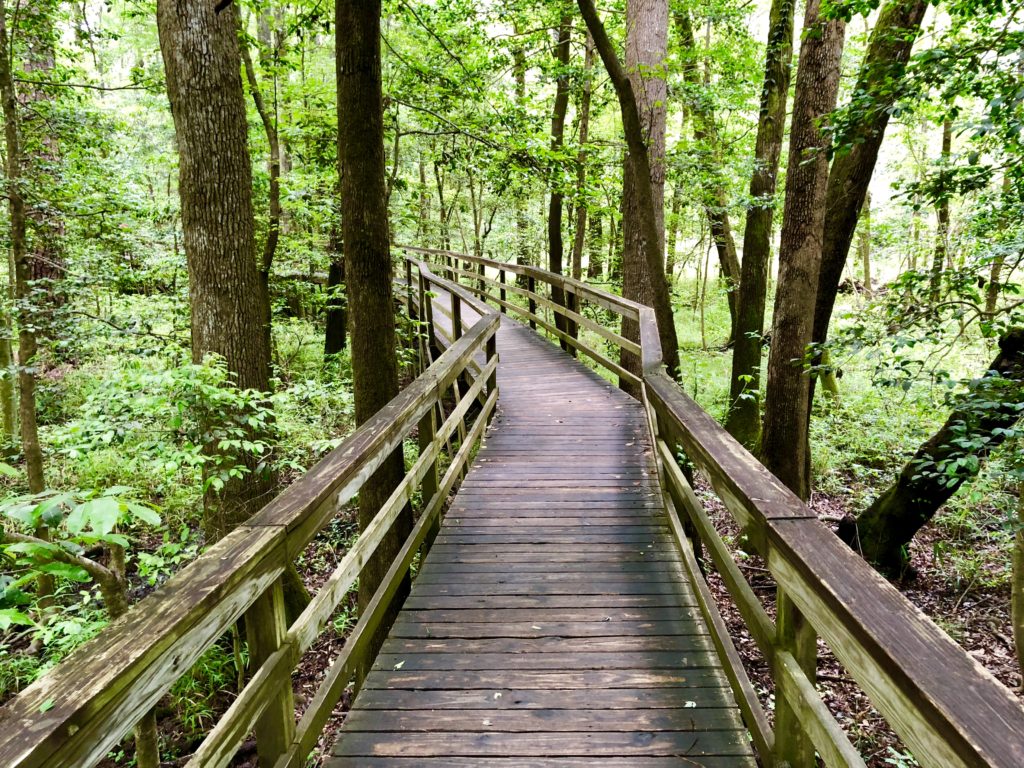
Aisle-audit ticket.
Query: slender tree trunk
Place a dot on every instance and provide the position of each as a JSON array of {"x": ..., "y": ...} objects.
[
  {"x": 785, "y": 446},
  {"x": 422, "y": 224},
  {"x": 942, "y": 217},
  {"x": 556, "y": 247},
  {"x": 368, "y": 265},
  {"x": 595, "y": 252},
  {"x": 986, "y": 412},
  {"x": 743, "y": 420},
  {"x": 269, "y": 120},
  {"x": 336, "y": 321},
  {"x": 715, "y": 193},
  {"x": 645, "y": 254},
  {"x": 994, "y": 286},
  {"x": 864, "y": 243},
  {"x": 580, "y": 235},
  {"x": 672, "y": 236},
  {"x": 522, "y": 220},
  {"x": 203, "y": 68}
]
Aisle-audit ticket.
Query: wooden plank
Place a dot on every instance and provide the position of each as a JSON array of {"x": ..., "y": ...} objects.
[
  {"x": 585, "y": 679},
  {"x": 581, "y": 698},
  {"x": 581, "y": 646},
  {"x": 492, "y": 720},
  {"x": 704, "y": 761},
  {"x": 415, "y": 662},
  {"x": 546, "y": 744},
  {"x": 537, "y": 628}
]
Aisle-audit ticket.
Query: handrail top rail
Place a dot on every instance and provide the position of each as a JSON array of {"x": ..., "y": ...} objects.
[{"x": 478, "y": 306}]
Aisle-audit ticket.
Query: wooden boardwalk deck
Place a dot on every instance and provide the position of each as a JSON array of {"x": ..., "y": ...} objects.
[{"x": 551, "y": 623}]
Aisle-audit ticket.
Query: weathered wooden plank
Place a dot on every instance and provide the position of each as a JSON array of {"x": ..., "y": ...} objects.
[
  {"x": 701, "y": 761},
  {"x": 582, "y": 679},
  {"x": 581, "y": 698},
  {"x": 537, "y": 628},
  {"x": 528, "y": 646},
  {"x": 493, "y": 720},
  {"x": 546, "y": 744},
  {"x": 547, "y": 661}
]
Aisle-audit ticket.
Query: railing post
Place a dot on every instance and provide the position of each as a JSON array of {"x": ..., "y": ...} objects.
[
  {"x": 265, "y": 628},
  {"x": 456, "y": 317},
  {"x": 492, "y": 380},
  {"x": 427, "y": 432},
  {"x": 531, "y": 286},
  {"x": 794, "y": 634},
  {"x": 426, "y": 316},
  {"x": 408, "y": 282},
  {"x": 501, "y": 292}
]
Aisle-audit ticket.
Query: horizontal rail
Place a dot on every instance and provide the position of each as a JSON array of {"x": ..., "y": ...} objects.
[
  {"x": 77, "y": 712},
  {"x": 945, "y": 706}
]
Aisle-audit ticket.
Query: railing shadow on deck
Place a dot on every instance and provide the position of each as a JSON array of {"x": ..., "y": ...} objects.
[
  {"x": 81, "y": 709},
  {"x": 945, "y": 706}
]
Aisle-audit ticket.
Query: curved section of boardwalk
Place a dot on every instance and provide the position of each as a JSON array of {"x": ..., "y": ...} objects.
[{"x": 551, "y": 623}]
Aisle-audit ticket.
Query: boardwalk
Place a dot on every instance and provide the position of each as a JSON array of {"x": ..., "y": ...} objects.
[{"x": 551, "y": 623}]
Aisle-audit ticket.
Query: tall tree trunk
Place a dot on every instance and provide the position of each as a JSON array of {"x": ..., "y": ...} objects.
[
  {"x": 785, "y": 446},
  {"x": 643, "y": 256},
  {"x": 556, "y": 247},
  {"x": 715, "y": 194},
  {"x": 522, "y": 220},
  {"x": 995, "y": 273},
  {"x": 889, "y": 49},
  {"x": 743, "y": 420},
  {"x": 864, "y": 243},
  {"x": 336, "y": 321},
  {"x": 580, "y": 235},
  {"x": 368, "y": 267},
  {"x": 941, "y": 251},
  {"x": 422, "y": 223},
  {"x": 672, "y": 236},
  {"x": 268, "y": 117},
  {"x": 203, "y": 68},
  {"x": 595, "y": 253},
  {"x": 989, "y": 408}
]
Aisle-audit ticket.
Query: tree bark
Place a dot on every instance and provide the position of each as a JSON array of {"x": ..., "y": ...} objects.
[
  {"x": 864, "y": 243},
  {"x": 941, "y": 252},
  {"x": 595, "y": 254},
  {"x": 651, "y": 287},
  {"x": 743, "y": 420},
  {"x": 368, "y": 267},
  {"x": 989, "y": 408},
  {"x": 580, "y": 235},
  {"x": 229, "y": 311},
  {"x": 785, "y": 447},
  {"x": 556, "y": 246},
  {"x": 336, "y": 321},
  {"x": 672, "y": 236},
  {"x": 522, "y": 221}
]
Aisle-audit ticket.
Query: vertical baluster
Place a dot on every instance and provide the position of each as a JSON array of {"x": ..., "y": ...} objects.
[
  {"x": 492, "y": 380},
  {"x": 456, "y": 318},
  {"x": 531, "y": 286},
  {"x": 501, "y": 292},
  {"x": 795, "y": 635},
  {"x": 427, "y": 431},
  {"x": 265, "y": 627}
]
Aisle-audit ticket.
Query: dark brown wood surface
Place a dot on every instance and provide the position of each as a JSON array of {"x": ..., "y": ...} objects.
[{"x": 551, "y": 624}]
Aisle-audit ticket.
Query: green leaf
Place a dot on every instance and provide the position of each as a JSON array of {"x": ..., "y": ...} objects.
[
  {"x": 64, "y": 571},
  {"x": 143, "y": 513},
  {"x": 103, "y": 514},
  {"x": 8, "y": 470},
  {"x": 10, "y": 616}
]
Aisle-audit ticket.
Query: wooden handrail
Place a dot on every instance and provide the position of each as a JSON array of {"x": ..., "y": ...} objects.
[
  {"x": 78, "y": 711},
  {"x": 945, "y": 706}
]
